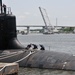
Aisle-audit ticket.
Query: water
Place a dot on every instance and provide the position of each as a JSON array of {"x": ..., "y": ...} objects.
[{"x": 55, "y": 42}]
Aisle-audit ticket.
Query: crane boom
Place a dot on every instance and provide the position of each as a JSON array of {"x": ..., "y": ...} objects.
[
  {"x": 42, "y": 16},
  {"x": 46, "y": 19}
]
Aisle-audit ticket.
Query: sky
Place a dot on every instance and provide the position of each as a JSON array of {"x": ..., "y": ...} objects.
[{"x": 27, "y": 11}]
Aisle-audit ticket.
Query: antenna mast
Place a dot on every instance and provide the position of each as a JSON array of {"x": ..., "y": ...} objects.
[{"x": 1, "y": 6}]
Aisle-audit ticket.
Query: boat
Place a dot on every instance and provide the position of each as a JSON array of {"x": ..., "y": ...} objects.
[
  {"x": 11, "y": 50},
  {"x": 48, "y": 33}
]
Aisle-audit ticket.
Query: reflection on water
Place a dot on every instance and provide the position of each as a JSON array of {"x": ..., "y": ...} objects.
[
  {"x": 56, "y": 42},
  {"x": 34, "y": 71}
]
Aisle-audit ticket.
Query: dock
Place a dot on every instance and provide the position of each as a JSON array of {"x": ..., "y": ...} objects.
[{"x": 9, "y": 68}]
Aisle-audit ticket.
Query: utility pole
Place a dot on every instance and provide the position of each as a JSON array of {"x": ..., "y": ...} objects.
[{"x": 56, "y": 21}]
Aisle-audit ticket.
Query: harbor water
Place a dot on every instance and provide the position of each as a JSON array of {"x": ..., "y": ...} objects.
[{"x": 54, "y": 42}]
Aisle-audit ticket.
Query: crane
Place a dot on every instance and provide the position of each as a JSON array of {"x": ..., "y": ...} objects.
[{"x": 48, "y": 26}]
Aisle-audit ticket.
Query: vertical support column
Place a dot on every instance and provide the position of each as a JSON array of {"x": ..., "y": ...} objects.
[
  {"x": 74, "y": 30},
  {"x": 27, "y": 29},
  {"x": 43, "y": 29}
]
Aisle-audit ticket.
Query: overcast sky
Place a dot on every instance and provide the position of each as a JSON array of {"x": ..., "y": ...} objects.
[{"x": 27, "y": 11}]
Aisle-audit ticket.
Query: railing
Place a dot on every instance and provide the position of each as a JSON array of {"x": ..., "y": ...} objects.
[
  {"x": 9, "y": 10},
  {"x": 5, "y": 10}
]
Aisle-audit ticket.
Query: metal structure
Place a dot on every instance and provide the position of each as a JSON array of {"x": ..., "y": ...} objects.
[
  {"x": 48, "y": 26},
  {"x": 1, "y": 5}
]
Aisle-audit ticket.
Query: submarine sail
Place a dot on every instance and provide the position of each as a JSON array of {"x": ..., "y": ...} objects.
[{"x": 8, "y": 36}]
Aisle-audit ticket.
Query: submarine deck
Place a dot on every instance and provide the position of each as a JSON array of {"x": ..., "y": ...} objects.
[{"x": 39, "y": 59}]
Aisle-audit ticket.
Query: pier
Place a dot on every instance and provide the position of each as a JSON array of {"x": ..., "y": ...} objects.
[{"x": 9, "y": 68}]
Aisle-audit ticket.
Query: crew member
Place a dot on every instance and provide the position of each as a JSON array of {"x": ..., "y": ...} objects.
[
  {"x": 35, "y": 46},
  {"x": 28, "y": 46},
  {"x": 42, "y": 47},
  {"x": 4, "y": 8}
]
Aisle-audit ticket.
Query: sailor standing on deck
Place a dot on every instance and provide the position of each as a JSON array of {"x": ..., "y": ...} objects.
[
  {"x": 42, "y": 47},
  {"x": 28, "y": 46},
  {"x": 35, "y": 46},
  {"x": 4, "y": 8}
]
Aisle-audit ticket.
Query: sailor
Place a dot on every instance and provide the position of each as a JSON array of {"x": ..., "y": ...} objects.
[
  {"x": 42, "y": 47},
  {"x": 4, "y": 7},
  {"x": 28, "y": 46},
  {"x": 35, "y": 46}
]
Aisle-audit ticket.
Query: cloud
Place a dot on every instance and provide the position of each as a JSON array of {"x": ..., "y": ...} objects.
[
  {"x": 23, "y": 15},
  {"x": 26, "y": 13}
]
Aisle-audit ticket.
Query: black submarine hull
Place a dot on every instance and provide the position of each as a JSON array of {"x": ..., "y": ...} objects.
[{"x": 39, "y": 59}]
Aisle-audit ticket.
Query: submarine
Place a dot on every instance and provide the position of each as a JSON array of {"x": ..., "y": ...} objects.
[{"x": 11, "y": 50}]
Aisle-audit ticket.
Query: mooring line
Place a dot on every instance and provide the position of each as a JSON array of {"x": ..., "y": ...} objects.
[{"x": 25, "y": 57}]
